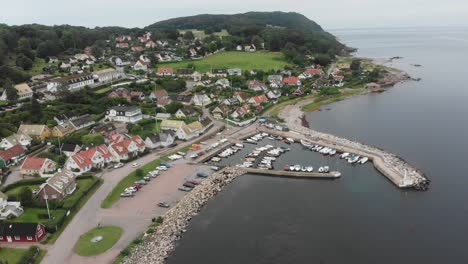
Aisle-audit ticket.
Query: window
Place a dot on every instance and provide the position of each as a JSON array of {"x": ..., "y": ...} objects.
[
  {"x": 17, "y": 238},
  {"x": 29, "y": 238}
]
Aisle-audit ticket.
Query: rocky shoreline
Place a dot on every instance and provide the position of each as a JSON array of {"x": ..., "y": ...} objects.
[{"x": 156, "y": 247}]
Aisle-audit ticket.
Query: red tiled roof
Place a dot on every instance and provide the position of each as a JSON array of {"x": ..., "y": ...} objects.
[
  {"x": 314, "y": 71},
  {"x": 260, "y": 99},
  {"x": 160, "y": 93},
  {"x": 290, "y": 80},
  {"x": 139, "y": 141},
  {"x": 12, "y": 152},
  {"x": 121, "y": 147},
  {"x": 104, "y": 151},
  {"x": 165, "y": 70},
  {"x": 34, "y": 163}
]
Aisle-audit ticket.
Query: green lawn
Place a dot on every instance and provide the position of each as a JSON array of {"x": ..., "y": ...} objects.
[
  {"x": 33, "y": 215},
  {"x": 128, "y": 181},
  {"x": 15, "y": 191},
  {"x": 235, "y": 59},
  {"x": 12, "y": 255},
  {"x": 38, "y": 65},
  {"x": 110, "y": 236},
  {"x": 103, "y": 90}
]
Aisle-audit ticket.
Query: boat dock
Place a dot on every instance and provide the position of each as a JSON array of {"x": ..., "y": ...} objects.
[
  {"x": 392, "y": 167},
  {"x": 294, "y": 174}
]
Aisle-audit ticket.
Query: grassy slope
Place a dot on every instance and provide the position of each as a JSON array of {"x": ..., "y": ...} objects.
[
  {"x": 110, "y": 234},
  {"x": 235, "y": 59}
]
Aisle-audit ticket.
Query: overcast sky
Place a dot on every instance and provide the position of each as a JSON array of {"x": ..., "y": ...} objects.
[{"x": 331, "y": 14}]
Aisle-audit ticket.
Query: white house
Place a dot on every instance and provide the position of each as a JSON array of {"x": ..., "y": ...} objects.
[
  {"x": 72, "y": 82},
  {"x": 85, "y": 160},
  {"x": 124, "y": 114},
  {"x": 201, "y": 99},
  {"x": 141, "y": 65},
  {"x": 23, "y": 90},
  {"x": 38, "y": 166},
  {"x": 159, "y": 140},
  {"x": 127, "y": 148},
  {"x": 9, "y": 208},
  {"x": 18, "y": 138},
  {"x": 107, "y": 75}
]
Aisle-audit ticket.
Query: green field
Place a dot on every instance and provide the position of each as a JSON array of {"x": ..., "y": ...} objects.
[
  {"x": 235, "y": 59},
  {"x": 12, "y": 255},
  {"x": 33, "y": 215},
  {"x": 110, "y": 236}
]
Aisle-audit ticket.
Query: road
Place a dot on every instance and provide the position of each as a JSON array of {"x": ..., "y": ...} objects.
[{"x": 133, "y": 215}]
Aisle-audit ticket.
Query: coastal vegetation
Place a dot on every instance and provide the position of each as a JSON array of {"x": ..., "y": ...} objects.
[
  {"x": 86, "y": 246},
  {"x": 233, "y": 59}
]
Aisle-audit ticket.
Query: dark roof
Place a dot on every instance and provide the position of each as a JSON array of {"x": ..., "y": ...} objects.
[
  {"x": 82, "y": 120},
  {"x": 124, "y": 108},
  {"x": 219, "y": 71},
  {"x": 181, "y": 98},
  {"x": 206, "y": 121},
  {"x": 188, "y": 111},
  {"x": 154, "y": 138},
  {"x": 185, "y": 71},
  {"x": 18, "y": 229},
  {"x": 107, "y": 127},
  {"x": 67, "y": 147}
]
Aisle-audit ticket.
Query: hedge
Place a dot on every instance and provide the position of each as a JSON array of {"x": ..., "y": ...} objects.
[
  {"x": 71, "y": 202},
  {"x": 23, "y": 183},
  {"x": 29, "y": 256},
  {"x": 51, "y": 226}
]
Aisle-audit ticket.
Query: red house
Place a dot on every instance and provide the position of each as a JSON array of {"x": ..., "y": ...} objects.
[
  {"x": 21, "y": 232},
  {"x": 293, "y": 81}
]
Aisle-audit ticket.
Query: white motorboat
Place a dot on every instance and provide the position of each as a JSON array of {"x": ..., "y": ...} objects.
[
  {"x": 363, "y": 160},
  {"x": 353, "y": 159},
  {"x": 303, "y": 169},
  {"x": 332, "y": 152},
  {"x": 318, "y": 148},
  {"x": 292, "y": 168},
  {"x": 320, "y": 170},
  {"x": 290, "y": 140},
  {"x": 310, "y": 169},
  {"x": 239, "y": 145},
  {"x": 306, "y": 144},
  {"x": 297, "y": 167},
  {"x": 326, "y": 169},
  {"x": 344, "y": 155}
]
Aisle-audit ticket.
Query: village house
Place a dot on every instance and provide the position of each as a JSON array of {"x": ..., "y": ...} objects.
[
  {"x": 72, "y": 82},
  {"x": 186, "y": 112},
  {"x": 257, "y": 86},
  {"x": 219, "y": 73},
  {"x": 104, "y": 129},
  {"x": 250, "y": 48},
  {"x": 223, "y": 83},
  {"x": 181, "y": 98},
  {"x": 141, "y": 65},
  {"x": 163, "y": 102},
  {"x": 230, "y": 101},
  {"x": 82, "y": 122},
  {"x": 8, "y": 209},
  {"x": 311, "y": 72},
  {"x": 150, "y": 44},
  {"x": 163, "y": 116},
  {"x": 57, "y": 187},
  {"x": 107, "y": 75},
  {"x": 63, "y": 129},
  {"x": 160, "y": 140},
  {"x": 12, "y": 156},
  {"x": 126, "y": 148},
  {"x": 123, "y": 38},
  {"x": 201, "y": 100},
  {"x": 138, "y": 48},
  {"x": 292, "y": 81},
  {"x": 162, "y": 71},
  {"x": 85, "y": 160},
  {"x": 172, "y": 125},
  {"x": 234, "y": 72},
  {"x": 241, "y": 112},
  {"x": 122, "y": 45},
  {"x": 158, "y": 94},
  {"x": 190, "y": 131},
  {"x": 196, "y": 76},
  {"x": 70, "y": 149},
  {"x": 18, "y": 138},
  {"x": 37, "y": 166},
  {"x": 221, "y": 111},
  {"x": 23, "y": 90},
  {"x": 120, "y": 62},
  {"x": 258, "y": 99},
  {"x": 35, "y": 131},
  {"x": 124, "y": 114},
  {"x": 52, "y": 59},
  {"x": 185, "y": 72},
  {"x": 241, "y": 96},
  {"x": 273, "y": 95},
  {"x": 120, "y": 93},
  {"x": 21, "y": 232}
]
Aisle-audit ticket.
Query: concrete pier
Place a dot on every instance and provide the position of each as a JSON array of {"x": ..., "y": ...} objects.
[{"x": 294, "y": 174}]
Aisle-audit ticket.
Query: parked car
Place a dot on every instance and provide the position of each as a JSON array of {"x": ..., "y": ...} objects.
[
  {"x": 131, "y": 189},
  {"x": 202, "y": 175},
  {"x": 126, "y": 194},
  {"x": 146, "y": 178},
  {"x": 163, "y": 205},
  {"x": 134, "y": 165},
  {"x": 165, "y": 164},
  {"x": 141, "y": 182},
  {"x": 215, "y": 168},
  {"x": 137, "y": 186},
  {"x": 194, "y": 182},
  {"x": 188, "y": 184},
  {"x": 163, "y": 168},
  {"x": 118, "y": 165},
  {"x": 185, "y": 189},
  {"x": 180, "y": 153}
]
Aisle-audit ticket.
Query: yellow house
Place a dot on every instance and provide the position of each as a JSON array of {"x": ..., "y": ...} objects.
[
  {"x": 63, "y": 130},
  {"x": 35, "y": 131}
]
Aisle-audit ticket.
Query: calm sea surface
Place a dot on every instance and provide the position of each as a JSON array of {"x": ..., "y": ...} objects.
[{"x": 362, "y": 217}]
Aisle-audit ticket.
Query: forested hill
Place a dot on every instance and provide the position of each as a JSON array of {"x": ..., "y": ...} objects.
[{"x": 237, "y": 22}]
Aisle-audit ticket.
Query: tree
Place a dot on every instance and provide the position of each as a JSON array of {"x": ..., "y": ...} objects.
[
  {"x": 47, "y": 48},
  {"x": 322, "y": 59},
  {"x": 257, "y": 41},
  {"x": 26, "y": 196},
  {"x": 355, "y": 65},
  {"x": 24, "y": 47},
  {"x": 92, "y": 139},
  {"x": 173, "y": 107},
  {"x": 35, "y": 109},
  {"x": 139, "y": 173},
  {"x": 188, "y": 35},
  {"x": 24, "y": 62},
  {"x": 11, "y": 92}
]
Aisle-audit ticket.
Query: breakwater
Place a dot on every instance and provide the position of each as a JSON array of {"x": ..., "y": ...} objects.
[
  {"x": 391, "y": 166},
  {"x": 294, "y": 174},
  {"x": 157, "y": 246}
]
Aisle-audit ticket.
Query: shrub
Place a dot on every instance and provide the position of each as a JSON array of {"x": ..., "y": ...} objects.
[
  {"x": 23, "y": 183},
  {"x": 125, "y": 252},
  {"x": 159, "y": 220}
]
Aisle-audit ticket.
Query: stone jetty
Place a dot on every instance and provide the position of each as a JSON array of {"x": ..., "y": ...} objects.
[{"x": 156, "y": 247}]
